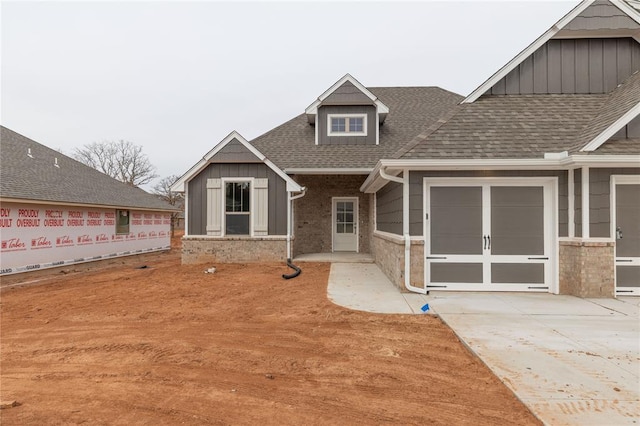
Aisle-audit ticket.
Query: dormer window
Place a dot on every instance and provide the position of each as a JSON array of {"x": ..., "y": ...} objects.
[{"x": 347, "y": 125}]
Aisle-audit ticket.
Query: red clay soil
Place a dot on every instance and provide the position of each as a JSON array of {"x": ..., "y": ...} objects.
[{"x": 169, "y": 344}]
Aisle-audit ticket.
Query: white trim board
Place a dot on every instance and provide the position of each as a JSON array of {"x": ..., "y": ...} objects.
[
  {"x": 603, "y": 137},
  {"x": 374, "y": 182}
]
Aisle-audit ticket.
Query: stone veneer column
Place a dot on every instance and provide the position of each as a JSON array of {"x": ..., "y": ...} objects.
[{"x": 587, "y": 269}]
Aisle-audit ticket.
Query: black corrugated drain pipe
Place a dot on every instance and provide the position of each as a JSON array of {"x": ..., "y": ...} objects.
[{"x": 294, "y": 274}]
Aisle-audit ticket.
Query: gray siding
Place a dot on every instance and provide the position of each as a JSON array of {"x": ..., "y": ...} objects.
[
  {"x": 235, "y": 152},
  {"x": 601, "y": 15},
  {"x": 347, "y": 94},
  {"x": 573, "y": 66},
  {"x": 599, "y": 199},
  {"x": 324, "y": 139},
  {"x": 416, "y": 213},
  {"x": 198, "y": 195},
  {"x": 389, "y": 208}
]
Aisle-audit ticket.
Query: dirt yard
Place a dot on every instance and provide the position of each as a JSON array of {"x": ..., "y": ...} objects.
[{"x": 169, "y": 344}]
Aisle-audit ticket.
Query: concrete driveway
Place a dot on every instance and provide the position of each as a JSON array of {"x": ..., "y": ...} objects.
[{"x": 572, "y": 361}]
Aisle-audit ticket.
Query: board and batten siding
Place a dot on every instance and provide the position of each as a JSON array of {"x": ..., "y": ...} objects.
[
  {"x": 325, "y": 139},
  {"x": 579, "y": 66},
  {"x": 198, "y": 194},
  {"x": 389, "y": 208},
  {"x": 416, "y": 214}
]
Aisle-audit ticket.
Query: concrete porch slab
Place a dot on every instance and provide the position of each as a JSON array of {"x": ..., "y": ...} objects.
[{"x": 336, "y": 257}]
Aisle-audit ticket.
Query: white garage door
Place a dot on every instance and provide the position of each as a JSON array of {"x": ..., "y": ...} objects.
[{"x": 489, "y": 235}]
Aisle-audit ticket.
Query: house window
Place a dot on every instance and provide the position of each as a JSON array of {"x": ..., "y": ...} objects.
[
  {"x": 347, "y": 125},
  {"x": 122, "y": 221},
  {"x": 237, "y": 208}
]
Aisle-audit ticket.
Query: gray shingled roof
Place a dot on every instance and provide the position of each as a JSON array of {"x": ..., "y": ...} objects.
[
  {"x": 527, "y": 126},
  {"x": 411, "y": 111},
  {"x": 621, "y": 100},
  {"x": 37, "y": 178}
]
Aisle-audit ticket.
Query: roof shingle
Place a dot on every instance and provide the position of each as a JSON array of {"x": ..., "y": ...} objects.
[
  {"x": 36, "y": 178},
  {"x": 411, "y": 110}
]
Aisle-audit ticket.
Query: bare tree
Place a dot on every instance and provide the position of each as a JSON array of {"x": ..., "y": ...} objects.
[
  {"x": 121, "y": 160},
  {"x": 163, "y": 190}
]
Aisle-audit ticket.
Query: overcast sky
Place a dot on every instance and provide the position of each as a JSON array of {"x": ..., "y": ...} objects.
[{"x": 177, "y": 77}]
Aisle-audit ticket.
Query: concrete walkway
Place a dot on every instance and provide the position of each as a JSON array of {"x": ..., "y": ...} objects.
[{"x": 572, "y": 361}]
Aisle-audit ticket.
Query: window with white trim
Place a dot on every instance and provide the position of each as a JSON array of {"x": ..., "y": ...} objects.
[
  {"x": 237, "y": 208},
  {"x": 347, "y": 124}
]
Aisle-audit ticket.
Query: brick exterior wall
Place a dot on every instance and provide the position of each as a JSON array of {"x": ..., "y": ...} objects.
[
  {"x": 313, "y": 215},
  {"x": 233, "y": 250},
  {"x": 587, "y": 269},
  {"x": 389, "y": 256}
]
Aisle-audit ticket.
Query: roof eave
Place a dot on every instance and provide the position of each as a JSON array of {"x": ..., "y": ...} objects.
[
  {"x": 89, "y": 205},
  {"x": 374, "y": 181}
]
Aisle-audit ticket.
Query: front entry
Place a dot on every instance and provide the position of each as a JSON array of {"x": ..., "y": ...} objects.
[
  {"x": 626, "y": 229},
  {"x": 345, "y": 224},
  {"x": 489, "y": 235}
]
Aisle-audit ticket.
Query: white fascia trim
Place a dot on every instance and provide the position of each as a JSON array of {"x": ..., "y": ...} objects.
[
  {"x": 629, "y": 10},
  {"x": 599, "y": 140},
  {"x": 313, "y": 108},
  {"x": 527, "y": 52},
  {"x": 292, "y": 185},
  {"x": 396, "y": 166},
  {"x": 605, "y": 160},
  {"x": 328, "y": 171},
  {"x": 179, "y": 185},
  {"x": 512, "y": 163}
]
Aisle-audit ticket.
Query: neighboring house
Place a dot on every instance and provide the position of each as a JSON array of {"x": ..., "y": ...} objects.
[
  {"x": 56, "y": 211},
  {"x": 487, "y": 195}
]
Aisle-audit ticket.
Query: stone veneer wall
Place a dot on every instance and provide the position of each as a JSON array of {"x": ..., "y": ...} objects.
[
  {"x": 313, "y": 213},
  {"x": 587, "y": 269},
  {"x": 389, "y": 255},
  {"x": 233, "y": 250}
]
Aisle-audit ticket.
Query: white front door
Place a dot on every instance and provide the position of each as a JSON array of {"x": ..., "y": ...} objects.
[
  {"x": 626, "y": 229},
  {"x": 345, "y": 224},
  {"x": 488, "y": 235}
]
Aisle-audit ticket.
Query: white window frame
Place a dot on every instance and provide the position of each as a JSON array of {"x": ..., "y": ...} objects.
[
  {"x": 330, "y": 117},
  {"x": 223, "y": 205}
]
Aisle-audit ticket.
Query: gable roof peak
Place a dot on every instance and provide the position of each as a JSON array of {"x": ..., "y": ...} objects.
[
  {"x": 180, "y": 184},
  {"x": 312, "y": 109},
  {"x": 556, "y": 31}
]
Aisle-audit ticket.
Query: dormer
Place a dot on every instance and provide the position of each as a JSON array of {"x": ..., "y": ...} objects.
[{"x": 347, "y": 114}]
